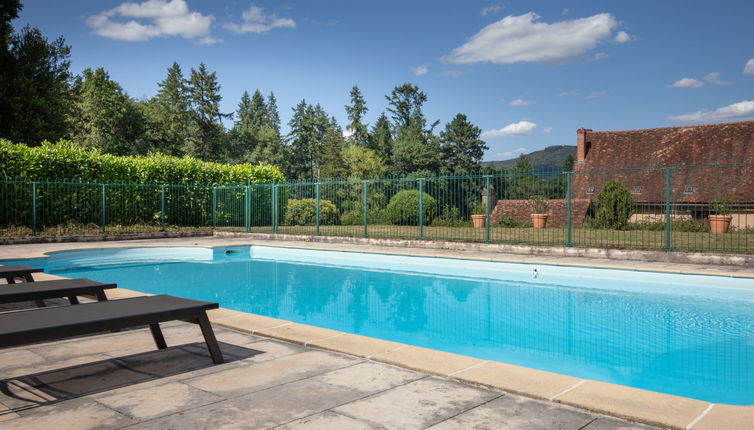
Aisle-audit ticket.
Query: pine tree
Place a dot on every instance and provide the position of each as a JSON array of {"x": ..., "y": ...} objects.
[
  {"x": 356, "y": 112},
  {"x": 273, "y": 116},
  {"x": 405, "y": 104},
  {"x": 381, "y": 137},
  {"x": 169, "y": 113},
  {"x": 309, "y": 125},
  {"x": 462, "y": 150},
  {"x": 207, "y": 134}
]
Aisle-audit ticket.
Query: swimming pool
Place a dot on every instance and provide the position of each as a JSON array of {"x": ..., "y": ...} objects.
[{"x": 686, "y": 335}]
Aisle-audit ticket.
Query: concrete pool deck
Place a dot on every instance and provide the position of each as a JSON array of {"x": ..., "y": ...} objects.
[{"x": 634, "y": 404}]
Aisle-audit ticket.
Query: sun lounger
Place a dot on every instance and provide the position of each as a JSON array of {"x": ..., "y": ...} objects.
[
  {"x": 38, "y": 325},
  {"x": 70, "y": 288},
  {"x": 10, "y": 273}
]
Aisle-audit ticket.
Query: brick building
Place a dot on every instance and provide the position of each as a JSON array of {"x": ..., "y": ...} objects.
[{"x": 699, "y": 164}]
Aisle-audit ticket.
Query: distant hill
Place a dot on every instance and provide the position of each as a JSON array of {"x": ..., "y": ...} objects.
[{"x": 551, "y": 157}]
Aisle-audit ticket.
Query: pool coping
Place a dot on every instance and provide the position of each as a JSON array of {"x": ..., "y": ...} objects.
[{"x": 617, "y": 400}]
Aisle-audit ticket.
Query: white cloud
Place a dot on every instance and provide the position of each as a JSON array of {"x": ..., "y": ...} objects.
[
  {"x": 521, "y": 128},
  {"x": 687, "y": 83},
  {"x": 547, "y": 130},
  {"x": 511, "y": 153},
  {"x": 520, "y": 102},
  {"x": 153, "y": 18},
  {"x": 622, "y": 37},
  {"x": 590, "y": 96},
  {"x": 749, "y": 67},
  {"x": 493, "y": 8},
  {"x": 714, "y": 79},
  {"x": 255, "y": 21},
  {"x": 735, "y": 112},
  {"x": 421, "y": 70},
  {"x": 518, "y": 39}
]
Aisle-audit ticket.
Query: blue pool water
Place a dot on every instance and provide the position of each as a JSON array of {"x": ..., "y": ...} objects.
[{"x": 686, "y": 335}]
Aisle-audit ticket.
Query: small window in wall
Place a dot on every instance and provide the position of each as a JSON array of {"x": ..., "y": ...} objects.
[
  {"x": 590, "y": 189},
  {"x": 637, "y": 189},
  {"x": 690, "y": 189}
]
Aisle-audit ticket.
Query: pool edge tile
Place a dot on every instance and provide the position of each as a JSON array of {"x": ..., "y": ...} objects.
[
  {"x": 634, "y": 404},
  {"x": 244, "y": 322},
  {"x": 534, "y": 383},
  {"x": 298, "y": 333},
  {"x": 428, "y": 360},
  {"x": 354, "y": 344},
  {"x": 728, "y": 417}
]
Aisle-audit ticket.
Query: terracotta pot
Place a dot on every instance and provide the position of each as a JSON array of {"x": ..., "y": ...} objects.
[
  {"x": 539, "y": 220},
  {"x": 478, "y": 220},
  {"x": 719, "y": 224}
]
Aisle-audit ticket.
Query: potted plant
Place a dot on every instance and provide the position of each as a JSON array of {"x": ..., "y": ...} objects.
[
  {"x": 720, "y": 218},
  {"x": 539, "y": 209},
  {"x": 478, "y": 215}
]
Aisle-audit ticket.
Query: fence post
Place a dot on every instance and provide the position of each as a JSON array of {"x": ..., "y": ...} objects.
[
  {"x": 421, "y": 208},
  {"x": 274, "y": 208},
  {"x": 317, "y": 221},
  {"x": 487, "y": 209},
  {"x": 364, "y": 190},
  {"x": 33, "y": 208},
  {"x": 214, "y": 207},
  {"x": 162, "y": 207},
  {"x": 569, "y": 221},
  {"x": 103, "y": 209},
  {"x": 247, "y": 209},
  {"x": 668, "y": 246}
]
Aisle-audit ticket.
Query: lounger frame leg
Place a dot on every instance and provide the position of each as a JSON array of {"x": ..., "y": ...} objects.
[
  {"x": 209, "y": 339},
  {"x": 159, "y": 339},
  {"x": 73, "y": 300},
  {"x": 27, "y": 278}
]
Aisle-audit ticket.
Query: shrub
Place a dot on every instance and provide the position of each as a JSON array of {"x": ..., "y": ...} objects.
[
  {"x": 722, "y": 205},
  {"x": 304, "y": 212},
  {"x": 508, "y": 221},
  {"x": 450, "y": 217},
  {"x": 614, "y": 206},
  {"x": 356, "y": 216},
  {"x": 67, "y": 161},
  {"x": 539, "y": 205},
  {"x": 403, "y": 208},
  {"x": 479, "y": 209}
]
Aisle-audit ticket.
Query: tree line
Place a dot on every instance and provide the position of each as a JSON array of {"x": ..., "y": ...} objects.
[{"x": 43, "y": 100}]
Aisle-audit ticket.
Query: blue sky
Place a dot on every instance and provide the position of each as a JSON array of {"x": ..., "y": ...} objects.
[{"x": 528, "y": 73}]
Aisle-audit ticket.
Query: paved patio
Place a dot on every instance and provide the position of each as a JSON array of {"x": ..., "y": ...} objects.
[{"x": 119, "y": 380}]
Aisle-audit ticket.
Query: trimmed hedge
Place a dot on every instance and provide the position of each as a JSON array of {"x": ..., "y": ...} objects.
[
  {"x": 614, "y": 206},
  {"x": 67, "y": 161},
  {"x": 403, "y": 208},
  {"x": 304, "y": 212}
]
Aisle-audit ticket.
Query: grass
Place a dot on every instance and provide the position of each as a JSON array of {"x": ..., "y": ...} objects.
[{"x": 741, "y": 241}]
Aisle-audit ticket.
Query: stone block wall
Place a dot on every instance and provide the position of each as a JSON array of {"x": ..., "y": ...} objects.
[{"x": 521, "y": 210}]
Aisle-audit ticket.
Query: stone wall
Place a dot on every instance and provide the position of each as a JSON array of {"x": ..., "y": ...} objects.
[{"x": 521, "y": 210}]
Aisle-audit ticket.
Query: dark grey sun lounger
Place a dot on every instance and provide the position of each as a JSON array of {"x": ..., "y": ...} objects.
[
  {"x": 38, "y": 325},
  {"x": 70, "y": 288},
  {"x": 10, "y": 273}
]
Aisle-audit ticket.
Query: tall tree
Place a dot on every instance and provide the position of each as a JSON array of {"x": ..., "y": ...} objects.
[
  {"x": 105, "y": 117},
  {"x": 332, "y": 164},
  {"x": 405, "y": 104},
  {"x": 414, "y": 150},
  {"x": 206, "y": 137},
  {"x": 169, "y": 113},
  {"x": 273, "y": 115},
  {"x": 381, "y": 137},
  {"x": 35, "y": 82},
  {"x": 309, "y": 126},
  {"x": 462, "y": 150},
  {"x": 356, "y": 112},
  {"x": 522, "y": 166}
]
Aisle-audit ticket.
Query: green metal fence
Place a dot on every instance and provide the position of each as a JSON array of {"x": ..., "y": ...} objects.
[{"x": 661, "y": 208}]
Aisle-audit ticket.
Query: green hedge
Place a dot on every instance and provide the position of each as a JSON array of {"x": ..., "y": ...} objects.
[
  {"x": 67, "y": 161},
  {"x": 403, "y": 208},
  {"x": 304, "y": 212},
  {"x": 67, "y": 191}
]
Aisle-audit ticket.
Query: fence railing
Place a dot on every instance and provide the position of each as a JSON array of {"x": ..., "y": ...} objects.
[{"x": 663, "y": 208}]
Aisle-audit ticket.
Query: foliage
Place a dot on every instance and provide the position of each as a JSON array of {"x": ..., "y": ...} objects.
[
  {"x": 381, "y": 137},
  {"x": 66, "y": 160},
  {"x": 509, "y": 222},
  {"x": 206, "y": 134},
  {"x": 403, "y": 208},
  {"x": 362, "y": 162},
  {"x": 614, "y": 206},
  {"x": 34, "y": 82},
  {"x": 450, "y": 217},
  {"x": 480, "y": 209},
  {"x": 309, "y": 125},
  {"x": 304, "y": 212},
  {"x": 356, "y": 112},
  {"x": 414, "y": 150},
  {"x": 539, "y": 205},
  {"x": 168, "y": 114},
  {"x": 722, "y": 205},
  {"x": 375, "y": 215},
  {"x": 105, "y": 117},
  {"x": 462, "y": 150}
]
